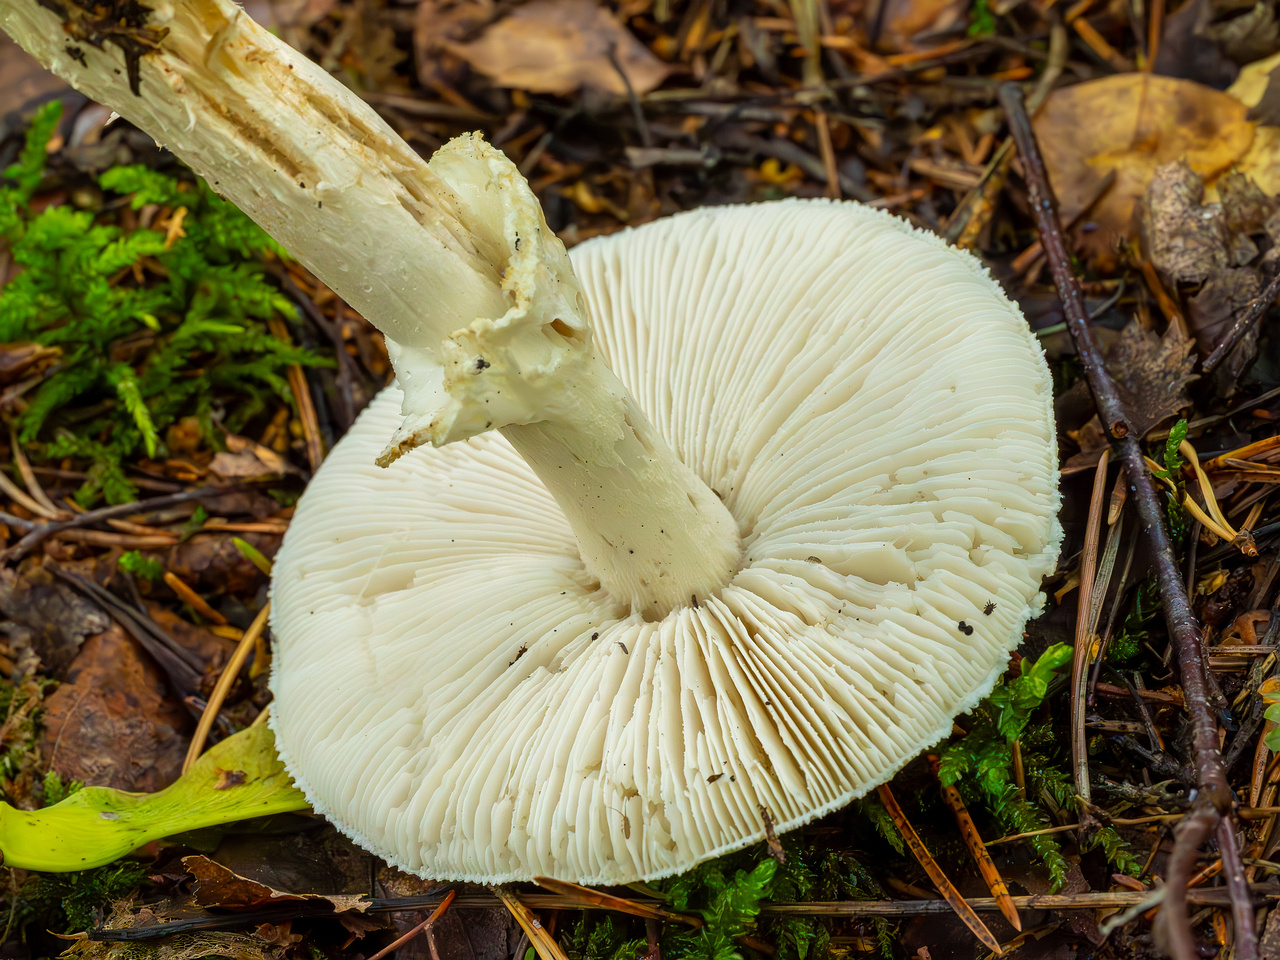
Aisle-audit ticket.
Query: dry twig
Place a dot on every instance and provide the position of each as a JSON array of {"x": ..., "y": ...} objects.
[{"x": 1214, "y": 799}]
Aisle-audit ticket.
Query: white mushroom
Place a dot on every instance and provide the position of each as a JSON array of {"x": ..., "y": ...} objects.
[
  {"x": 457, "y": 690},
  {"x": 762, "y": 564}
]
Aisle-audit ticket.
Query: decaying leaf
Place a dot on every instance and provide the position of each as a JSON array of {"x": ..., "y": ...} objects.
[
  {"x": 1132, "y": 123},
  {"x": 217, "y": 886},
  {"x": 1184, "y": 239},
  {"x": 557, "y": 46},
  {"x": 210, "y": 561},
  {"x": 19, "y": 360},
  {"x": 50, "y": 619},
  {"x": 1186, "y": 50},
  {"x": 112, "y": 723},
  {"x": 1213, "y": 311},
  {"x": 246, "y": 460},
  {"x": 913, "y": 20},
  {"x": 1247, "y": 37},
  {"x": 1152, "y": 374},
  {"x": 1205, "y": 251}
]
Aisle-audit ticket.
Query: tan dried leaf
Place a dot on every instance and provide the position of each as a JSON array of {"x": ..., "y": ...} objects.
[
  {"x": 1133, "y": 123},
  {"x": 245, "y": 460},
  {"x": 557, "y": 46}
]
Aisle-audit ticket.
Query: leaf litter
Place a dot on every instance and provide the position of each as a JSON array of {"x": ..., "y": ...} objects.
[{"x": 619, "y": 113}]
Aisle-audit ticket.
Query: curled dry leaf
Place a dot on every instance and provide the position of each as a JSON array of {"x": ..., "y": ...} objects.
[
  {"x": 557, "y": 46},
  {"x": 1184, "y": 239},
  {"x": 1131, "y": 124},
  {"x": 218, "y": 886},
  {"x": 196, "y": 946},
  {"x": 1186, "y": 50},
  {"x": 18, "y": 360},
  {"x": 914, "y": 20}
]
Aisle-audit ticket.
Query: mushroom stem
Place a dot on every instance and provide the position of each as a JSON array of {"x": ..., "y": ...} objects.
[
  {"x": 451, "y": 260},
  {"x": 647, "y": 526}
]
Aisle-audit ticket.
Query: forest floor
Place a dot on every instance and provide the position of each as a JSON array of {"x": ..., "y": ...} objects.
[{"x": 169, "y": 381}]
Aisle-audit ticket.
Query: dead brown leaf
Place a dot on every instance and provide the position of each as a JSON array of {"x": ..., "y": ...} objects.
[
  {"x": 914, "y": 20},
  {"x": 558, "y": 46},
  {"x": 1152, "y": 374},
  {"x": 195, "y": 946},
  {"x": 1248, "y": 37},
  {"x": 1213, "y": 311},
  {"x": 1210, "y": 245},
  {"x": 246, "y": 460},
  {"x": 1184, "y": 239},
  {"x": 1186, "y": 50},
  {"x": 51, "y": 620},
  {"x": 18, "y": 360},
  {"x": 211, "y": 649},
  {"x": 112, "y": 724},
  {"x": 210, "y": 561},
  {"x": 1132, "y": 124},
  {"x": 217, "y": 886}
]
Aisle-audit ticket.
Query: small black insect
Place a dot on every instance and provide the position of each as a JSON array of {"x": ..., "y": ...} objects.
[
  {"x": 965, "y": 628},
  {"x": 482, "y": 364},
  {"x": 623, "y": 646},
  {"x": 989, "y": 609}
]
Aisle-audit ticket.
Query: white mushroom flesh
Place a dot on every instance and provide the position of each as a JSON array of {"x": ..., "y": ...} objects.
[
  {"x": 456, "y": 691},
  {"x": 475, "y": 675}
]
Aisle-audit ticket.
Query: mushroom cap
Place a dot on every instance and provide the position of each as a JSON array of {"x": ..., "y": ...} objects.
[{"x": 456, "y": 694}]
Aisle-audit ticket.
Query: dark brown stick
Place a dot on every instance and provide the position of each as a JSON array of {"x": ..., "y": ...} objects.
[
  {"x": 420, "y": 928},
  {"x": 43, "y": 531},
  {"x": 1214, "y": 798},
  {"x": 1238, "y": 884},
  {"x": 1263, "y": 894}
]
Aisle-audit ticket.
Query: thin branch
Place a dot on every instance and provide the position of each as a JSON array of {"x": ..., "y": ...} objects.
[
  {"x": 1212, "y": 896},
  {"x": 419, "y": 929},
  {"x": 1238, "y": 886},
  {"x": 44, "y": 531},
  {"x": 1214, "y": 798}
]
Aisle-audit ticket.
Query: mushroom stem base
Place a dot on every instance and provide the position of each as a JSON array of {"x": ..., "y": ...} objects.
[{"x": 648, "y": 527}]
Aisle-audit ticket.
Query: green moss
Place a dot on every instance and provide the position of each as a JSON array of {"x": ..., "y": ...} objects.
[
  {"x": 153, "y": 324},
  {"x": 69, "y": 902}
]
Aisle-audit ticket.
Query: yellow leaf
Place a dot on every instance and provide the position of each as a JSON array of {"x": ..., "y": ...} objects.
[{"x": 1132, "y": 123}]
